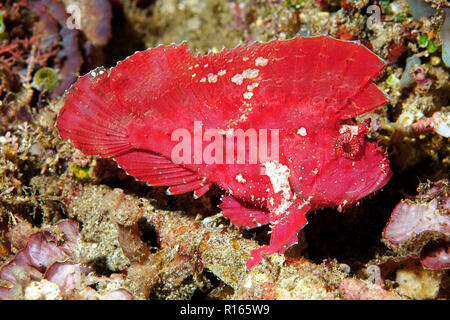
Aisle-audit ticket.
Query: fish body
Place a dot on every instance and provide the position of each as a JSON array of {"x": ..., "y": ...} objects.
[{"x": 269, "y": 123}]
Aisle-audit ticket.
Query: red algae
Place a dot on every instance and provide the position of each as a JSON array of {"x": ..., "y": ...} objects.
[{"x": 45, "y": 269}]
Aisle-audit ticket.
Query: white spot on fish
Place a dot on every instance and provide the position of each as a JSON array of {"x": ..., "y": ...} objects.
[
  {"x": 250, "y": 73},
  {"x": 243, "y": 117},
  {"x": 95, "y": 74},
  {"x": 278, "y": 175},
  {"x": 238, "y": 78},
  {"x": 212, "y": 78},
  {"x": 246, "y": 74},
  {"x": 302, "y": 131},
  {"x": 239, "y": 178},
  {"x": 227, "y": 132},
  {"x": 252, "y": 86},
  {"x": 248, "y": 95},
  {"x": 260, "y": 61}
]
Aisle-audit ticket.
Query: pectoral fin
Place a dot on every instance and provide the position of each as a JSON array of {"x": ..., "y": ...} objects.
[
  {"x": 284, "y": 232},
  {"x": 243, "y": 216}
]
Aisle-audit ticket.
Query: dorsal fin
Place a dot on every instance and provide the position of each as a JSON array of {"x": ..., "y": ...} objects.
[{"x": 301, "y": 80}]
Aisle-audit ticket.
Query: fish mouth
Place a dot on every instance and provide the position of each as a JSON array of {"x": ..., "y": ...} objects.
[
  {"x": 370, "y": 188},
  {"x": 381, "y": 181}
]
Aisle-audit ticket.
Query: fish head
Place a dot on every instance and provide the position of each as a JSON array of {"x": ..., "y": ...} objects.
[{"x": 342, "y": 168}]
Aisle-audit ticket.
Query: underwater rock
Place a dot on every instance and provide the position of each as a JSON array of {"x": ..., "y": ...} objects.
[{"x": 184, "y": 248}]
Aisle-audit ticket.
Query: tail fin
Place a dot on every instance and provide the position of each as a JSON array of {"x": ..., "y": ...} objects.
[{"x": 93, "y": 119}]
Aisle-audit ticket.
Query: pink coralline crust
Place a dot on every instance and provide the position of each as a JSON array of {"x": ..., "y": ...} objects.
[
  {"x": 44, "y": 258},
  {"x": 436, "y": 256},
  {"x": 40, "y": 253},
  {"x": 69, "y": 278},
  {"x": 307, "y": 88},
  {"x": 353, "y": 289},
  {"x": 411, "y": 219},
  {"x": 414, "y": 224},
  {"x": 67, "y": 275}
]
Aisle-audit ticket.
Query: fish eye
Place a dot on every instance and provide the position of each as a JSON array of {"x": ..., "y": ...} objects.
[{"x": 348, "y": 146}]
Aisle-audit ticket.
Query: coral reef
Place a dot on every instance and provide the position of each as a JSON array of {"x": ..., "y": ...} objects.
[
  {"x": 135, "y": 242},
  {"x": 184, "y": 253}
]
